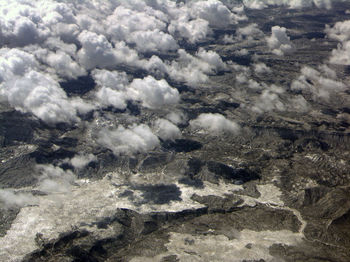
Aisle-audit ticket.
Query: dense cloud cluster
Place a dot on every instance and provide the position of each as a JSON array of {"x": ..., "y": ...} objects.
[
  {"x": 147, "y": 76},
  {"x": 44, "y": 42},
  {"x": 139, "y": 51},
  {"x": 28, "y": 89}
]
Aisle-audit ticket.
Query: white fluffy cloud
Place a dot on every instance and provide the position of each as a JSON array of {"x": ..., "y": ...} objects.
[
  {"x": 18, "y": 27},
  {"x": 166, "y": 130},
  {"x": 340, "y": 32},
  {"x": 14, "y": 62},
  {"x": 12, "y": 198},
  {"x": 81, "y": 160},
  {"x": 111, "y": 79},
  {"x": 41, "y": 95},
  {"x": 54, "y": 179},
  {"x": 138, "y": 27},
  {"x": 215, "y": 12},
  {"x": 268, "y": 101},
  {"x": 279, "y": 42},
  {"x": 249, "y": 32},
  {"x": 214, "y": 124},
  {"x": 311, "y": 81},
  {"x": 62, "y": 41},
  {"x": 194, "y": 31},
  {"x": 29, "y": 90},
  {"x": 135, "y": 139},
  {"x": 195, "y": 69},
  {"x": 177, "y": 117},
  {"x": 111, "y": 88},
  {"x": 124, "y": 21},
  {"x": 274, "y": 98},
  {"x": 153, "y": 93},
  {"x": 194, "y": 20},
  {"x": 63, "y": 64},
  {"x": 110, "y": 97},
  {"x": 96, "y": 51},
  {"x": 294, "y": 4},
  {"x": 298, "y": 104},
  {"x": 156, "y": 41},
  {"x": 213, "y": 60},
  {"x": 114, "y": 90},
  {"x": 261, "y": 68}
]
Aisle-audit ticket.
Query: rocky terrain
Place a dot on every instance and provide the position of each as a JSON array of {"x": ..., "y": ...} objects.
[{"x": 259, "y": 171}]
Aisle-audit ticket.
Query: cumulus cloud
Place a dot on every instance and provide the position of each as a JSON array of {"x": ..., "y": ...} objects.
[
  {"x": 326, "y": 71},
  {"x": 11, "y": 198},
  {"x": 15, "y": 62},
  {"x": 228, "y": 39},
  {"x": 166, "y": 130},
  {"x": 298, "y": 103},
  {"x": 54, "y": 179},
  {"x": 294, "y": 4},
  {"x": 261, "y": 68},
  {"x": 195, "y": 69},
  {"x": 213, "y": 60},
  {"x": 131, "y": 140},
  {"x": 27, "y": 89},
  {"x": 311, "y": 81},
  {"x": 341, "y": 55},
  {"x": 214, "y": 124},
  {"x": 177, "y": 118},
  {"x": 41, "y": 95},
  {"x": 340, "y": 32},
  {"x": 153, "y": 93},
  {"x": 249, "y": 32},
  {"x": 111, "y": 88},
  {"x": 194, "y": 31},
  {"x": 31, "y": 91},
  {"x": 242, "y": 52},
  {"x": 252, "y": 84},
  {"x": 79, "y": 161},
  {"x": 195, "y": 20},
  {"x": 268, "y": 101},
  {"x": 115, "y": 90},
  {"x": 255, "y": 4},
  {"x": 156, "y": 41},
  {"x": 110, "y": 97},
  {"x": 215, "y": 12},
  {"x": 124, "y": 21},
  {"x": 18, "y": 27},
  {"x": 96, "y": 51},
  {"x": 61, "y": 64},
  {"x": 61, "y": 41},
  {"x": 274, "y": 98},
  {"x": 110, "y": 79},
  {"x": 279, "y": 43}
]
